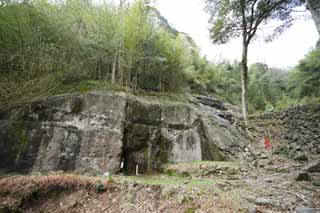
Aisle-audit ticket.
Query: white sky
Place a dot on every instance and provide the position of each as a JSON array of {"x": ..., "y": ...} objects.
[{"x": 188, "y": 16}]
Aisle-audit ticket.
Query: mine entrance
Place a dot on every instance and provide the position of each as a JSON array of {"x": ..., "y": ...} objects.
[{"x": 132, "y": 163}]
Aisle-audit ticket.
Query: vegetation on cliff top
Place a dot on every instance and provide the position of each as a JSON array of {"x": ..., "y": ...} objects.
[{"x": 55, "y": 47}]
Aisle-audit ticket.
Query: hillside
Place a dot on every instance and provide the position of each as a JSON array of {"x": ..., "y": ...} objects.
[
  {"x": 56, "y": 135},
  {"x": 106, "y": 107}
]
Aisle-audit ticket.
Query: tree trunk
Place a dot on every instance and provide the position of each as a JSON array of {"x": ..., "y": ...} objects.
[
  {"x": 244, "y": 81},
  {"x": 113, "y": 76},
  {"x": 244, "y": 76},
  {"x": 314, "y": 7},
  {"x": 120, "y": 70}
]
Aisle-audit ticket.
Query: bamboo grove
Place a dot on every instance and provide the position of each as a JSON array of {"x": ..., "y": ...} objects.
[
  {"x": 64, "y": 46},
  {"x": 52, "y": 46}
]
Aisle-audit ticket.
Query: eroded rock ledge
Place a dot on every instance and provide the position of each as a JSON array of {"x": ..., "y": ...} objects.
[{"x": 95, "y": 132}]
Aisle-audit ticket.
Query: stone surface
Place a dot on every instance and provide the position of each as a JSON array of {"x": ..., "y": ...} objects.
[
  {"x": 95, "y": 132},
  {"x": 263, "y": 202},
  {"x": 212, "y": 102},
  {"x": 303, "y": 176},
  {"x": 313, "y": 166},
  {"x": 69, "y": 133},
  {"x": 307, "y": 210},
  {"x": 316, "y": 183},
  {"x": 252, "y": 210},
  {"x": 301, "y": 157},
  {"x": 300, "y": 129}
]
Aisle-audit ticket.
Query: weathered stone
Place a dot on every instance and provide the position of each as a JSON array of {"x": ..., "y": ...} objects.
[
  {"x": 300, "y": 130},
  {"x": 301, "y": 157},
  {"x": 313, "y": 166},
  {"x": 69, "y": 133},
  {"x": 303, "y": 176},
  {"x": 263, "y": 202},
  {"x": 95, "y": 132},
  {"x": 212, "y": 102},
  {"x": 307, "y": 210},
  {"x": 252, "y": 210},
  {"x": 316, "y": 183}
]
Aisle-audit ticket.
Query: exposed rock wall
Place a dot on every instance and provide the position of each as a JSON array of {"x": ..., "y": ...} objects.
[
  {"x": 71, "y": 132},
  {"x": 95, "y": 132}
]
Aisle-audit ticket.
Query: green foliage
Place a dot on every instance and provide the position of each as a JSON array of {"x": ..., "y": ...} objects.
[
  {"x": 285, "y": 102},
  {"x": 55, "y": 47},
  {"x": 305, "y": 79},
  {"x": 50, "y": 48},
  {"x": 282, "y": 89},
  {"x": 191, "y": 210},
  {"x": 269, "y": 89},
  {"x": 266, "y": 87},
  {"x": 311, "y": 63},
  {"x": 220, "y": 80},
  {"x": 231, "y": 19},
  {"x": 168, "y": 181},
  {"x": 100, "y": 187}
]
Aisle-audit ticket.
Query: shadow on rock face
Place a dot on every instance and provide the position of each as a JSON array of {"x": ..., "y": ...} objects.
[{"x": 94, "y": 132}]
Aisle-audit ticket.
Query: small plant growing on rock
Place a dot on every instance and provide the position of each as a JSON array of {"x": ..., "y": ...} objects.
[
  {"x": 100, "y": 187},
  {"x": 191, "y": 210}
]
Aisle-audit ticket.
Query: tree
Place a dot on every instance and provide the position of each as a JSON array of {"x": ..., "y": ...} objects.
[
  {"x": 233, "y": 18},
  {"x": 314, "y": 7},
  {"x": 305, "y": 79},
  {"x": 53, "y": 47}
]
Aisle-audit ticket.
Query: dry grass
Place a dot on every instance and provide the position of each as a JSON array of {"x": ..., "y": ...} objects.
[
  {"x": 71, "y": 193},
  {"x": 26, "y": 187},
  {"x": 227, "y": 203}
]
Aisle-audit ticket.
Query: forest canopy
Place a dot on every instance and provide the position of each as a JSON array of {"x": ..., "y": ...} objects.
[
  {"x": 50, "y": 48},
  {"x": 46, "y": 44}
]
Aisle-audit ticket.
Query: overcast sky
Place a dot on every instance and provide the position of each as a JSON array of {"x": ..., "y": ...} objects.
[{"x": 188, "y": 16}]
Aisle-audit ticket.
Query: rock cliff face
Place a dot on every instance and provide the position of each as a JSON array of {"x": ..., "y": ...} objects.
[{"x": 95, "y": 132}]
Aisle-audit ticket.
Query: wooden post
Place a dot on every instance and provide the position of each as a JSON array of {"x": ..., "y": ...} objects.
[{"x": 137, "y": 169}]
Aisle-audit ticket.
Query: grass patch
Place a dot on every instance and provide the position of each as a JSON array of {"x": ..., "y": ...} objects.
[
  {"x": 162, "y": 96},
  {"x": 201, "y": 168},
  {"x": 211, "y": 163},
  {"x": 23, "y": 92},
  {"x": 29, "y": 185},
  {"x": 167, "y": 181},
  {"x": 191, "y": 210},
  {"x": 91, "y": 85}
]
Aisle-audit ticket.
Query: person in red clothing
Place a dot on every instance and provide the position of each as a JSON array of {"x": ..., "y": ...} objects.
[{"x": 267, "y": 143}]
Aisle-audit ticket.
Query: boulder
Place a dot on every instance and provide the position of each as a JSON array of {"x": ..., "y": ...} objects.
[
  {"x": 212, "y": 102},
  {"x": 263, "y": 202}
]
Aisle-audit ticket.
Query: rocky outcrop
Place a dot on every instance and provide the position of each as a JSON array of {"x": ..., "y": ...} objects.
[
  {"x": 313, "y": 166},
  {"x": 96, "y": 132},
  {"x": 71, "y": 132},
  {"x": 300, "y": 130}
]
